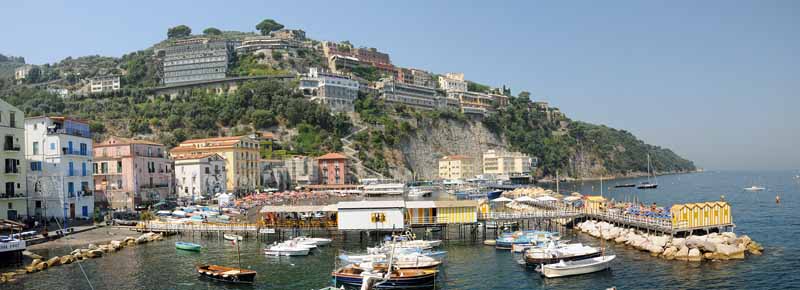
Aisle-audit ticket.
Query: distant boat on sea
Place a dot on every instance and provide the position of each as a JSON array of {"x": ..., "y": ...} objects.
[
  {"x": 754, "y": 188},
  {"x": 625, "y": 185},
  {"x": 647, "y": 184}
]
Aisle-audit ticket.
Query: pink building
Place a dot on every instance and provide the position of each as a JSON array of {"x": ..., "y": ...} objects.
[
  {"x": 131, "y": 172},
  {"x": 332, "y": 168}
]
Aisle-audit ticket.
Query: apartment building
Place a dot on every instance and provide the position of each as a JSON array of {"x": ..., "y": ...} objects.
[
  {"x": 196, "y": 59},
  {"x": 392, "y": 91},
  {"x": 129, "y": 172},
  {"x": 13, "y": 198},
  {"x": 59, "y": 153},
  {"x": 303, "y": 170},
  {"x": 506, "y": 164},
  {"x": 333, "y": 168},
  {"x": 241, "y": 154},
  {"x": 200, "y": 176},
  {"x": 336, "y": 91},
  {"x": 453, "y": 82},
  {"x": 104, "y": 84},
  {"x": 458, "y": 167},
  {"x": 414, "y": 77}
]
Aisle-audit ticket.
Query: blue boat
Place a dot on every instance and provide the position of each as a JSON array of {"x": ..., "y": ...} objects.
[{"x": 494, "y": 194}]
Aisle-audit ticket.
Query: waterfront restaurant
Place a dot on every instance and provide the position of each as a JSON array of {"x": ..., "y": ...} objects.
[{"x": 371, "y": 215}]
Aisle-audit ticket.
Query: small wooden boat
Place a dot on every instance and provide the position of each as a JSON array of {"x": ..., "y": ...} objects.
[
  {"x": 188, "y": 246},
  {"x": 577, "y": 267},
  {"x": 227, "y": 274},
  {"x": 625, "y": 185},
  {"x": 352, "y": 275},
  {"x": 231, "y": 237}
]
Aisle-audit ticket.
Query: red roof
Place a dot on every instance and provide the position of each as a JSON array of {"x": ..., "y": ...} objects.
[{"x": 331, "y": 156}]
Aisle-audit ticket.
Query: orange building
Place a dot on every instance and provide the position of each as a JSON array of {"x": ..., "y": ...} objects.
[{"x": 332, "y": 168}]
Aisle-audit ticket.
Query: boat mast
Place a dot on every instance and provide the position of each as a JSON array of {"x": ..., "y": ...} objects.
[
  {"x": 648, "y": 167},
  {"x": 557, "y": 191},
  {"x": 238, "y": 255}
]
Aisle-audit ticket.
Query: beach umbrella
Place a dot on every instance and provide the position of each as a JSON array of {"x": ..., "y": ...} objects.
[
  {"x": 524, "y": 198},
  {"x": 546, "y": 198},
  {"x": 501, "y": 199}
]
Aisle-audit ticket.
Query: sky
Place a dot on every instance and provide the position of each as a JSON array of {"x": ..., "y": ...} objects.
[{"x": 715, "y": 81}]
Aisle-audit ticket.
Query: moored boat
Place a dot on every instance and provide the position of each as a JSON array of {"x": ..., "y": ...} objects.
[
  {"x": 354, "y": 275},
  {"x": 284, "y": 249},
  {"x": 625, "y": 185},
  {"x": 231, "y": 237},
  {"x": 552, "y": 253},
  {"x": 577, "y": 267},
  {"x": 186, "y": 246},
  {"x": 226, "y": 274},
  {"x": 754, "y": 188}
]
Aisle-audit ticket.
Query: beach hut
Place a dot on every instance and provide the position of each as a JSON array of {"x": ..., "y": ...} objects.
[
  {"x": 421, "y": 212},
  {"x": 701, "y": 215},
  {"x": 594, "y": 202},
  {"x": 456, "y": 211}
]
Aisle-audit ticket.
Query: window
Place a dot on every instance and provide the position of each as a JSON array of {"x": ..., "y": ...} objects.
[
  {"x": 94, "y": 169},
  {"x": 208, "y": 170},
  {"x": 83, "y": 169},
  {"x": 71, "y": 189},
  {"x": 52, "y": 146},
  {"x": 36, "y": 166},
  {"x": 9, "y": 188},
  {"x": 71, "y": 169},
  {"x": 119, "y": 166},
  {"x": 12, "y": 121},
  {"x": 84, "y": 186},
  {"x": 69, "y": 147},
  {"x": 84, "y": 149},
  {"x": 35, "y": 148},
  {"x": 104, "y": 167}
]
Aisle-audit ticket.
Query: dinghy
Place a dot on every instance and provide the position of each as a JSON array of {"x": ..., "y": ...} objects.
[{"x": 577, "y": 267}]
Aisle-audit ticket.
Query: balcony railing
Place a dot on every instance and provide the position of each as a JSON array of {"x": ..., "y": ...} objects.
[
  {"x": 11, "y": 147},
  {"x": 66, "y": 151},
  {"x": 53, "y": 131},
  {"x": 12, "y": 195}
]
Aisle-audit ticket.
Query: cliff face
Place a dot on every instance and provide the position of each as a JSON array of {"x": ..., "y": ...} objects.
[{"x": 420, "y": 152}]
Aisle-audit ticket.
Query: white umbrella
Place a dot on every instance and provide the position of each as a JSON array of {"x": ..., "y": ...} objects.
[
  {"x": 524, "y": 198},
  {"x": 572, "y": 198},
  {"x": 501, "y": 199},
  {"x": 546, "y": 198}
]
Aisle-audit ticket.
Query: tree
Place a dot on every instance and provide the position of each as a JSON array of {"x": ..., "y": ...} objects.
[
  {"x": 212, "y": 31},
  {"x": 268, "y": 25},
  {"x": 179, "y": 31},
  {"x": 525, "y": 95}
]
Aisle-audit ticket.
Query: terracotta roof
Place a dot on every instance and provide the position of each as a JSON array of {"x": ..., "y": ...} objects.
[
  {"x": 194, "y": 156},
  {"x": 332, "y": 156},
  {"x": 125, "y": 141},
  {"x": 231, "y": 138}
]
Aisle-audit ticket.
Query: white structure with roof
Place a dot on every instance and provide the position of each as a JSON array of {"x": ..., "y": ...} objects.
[{"x": 371, "y": 215}]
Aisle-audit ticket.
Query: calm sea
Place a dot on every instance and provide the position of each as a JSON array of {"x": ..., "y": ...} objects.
[{"x": 471, "y": 265}]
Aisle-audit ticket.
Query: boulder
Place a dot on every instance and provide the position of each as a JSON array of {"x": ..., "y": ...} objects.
[
  {"x": 30, "y": 269},
  {"x": 677, "y": 242},
  {"x": 116, "y": 245},
  {"x": 754, "y": 248},
  {"x": 9, "y": 275},
  {"x": 695, "y": 241},
  {"x": 669, "y": 252},
  {"x": 725, "y": 252},
  {"x": 35, "y": 262},
  {"x": 54, "y": 261},
  {"x": 21, "y": 272},
  {"x": 41, "y": 266},
  {"x": 31, "y": 255},
  {"x": 730, "y": 237},
  {"x": 67, "y": 259},
  {"x": 659, "y": 241},
  {"x": 77, "y": 257},
  {"x": 710, "y": 256},
  {"x": 621, "y": 239},
  {"x": 743, "y": 240},
  {"x": 694, "y": 255},
  {"x": 682, "y": 253},
  {"x": 92, "y": 247},
  {"x": 95, "y": 253},
  {"x": 708, "y": 246}
]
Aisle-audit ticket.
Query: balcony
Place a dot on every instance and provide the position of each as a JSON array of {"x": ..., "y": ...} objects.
[
  {"x": 12, "y": 195},
  {"x": 154, "y": 186},
  {"x": 8, "y": 147},
  {"x": 12, "y": 170},
  {"x": 66, "y": 151},
  {"x": 73, "y": 132}
]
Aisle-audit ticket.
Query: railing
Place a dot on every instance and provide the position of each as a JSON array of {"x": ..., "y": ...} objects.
[
  {"x": 13, "y": 245},
  {"x": 12, "y": 195},
  {"x": 563, "y": 213},
  {"x": 629, "y": 219},
  {"x": 66, "y": 151},
  {"x": 11, "y": 148},
  {"x": 199, "y": 227},
  {"x": 313, "y": 223},
  {"x": 427, "y": 220}
]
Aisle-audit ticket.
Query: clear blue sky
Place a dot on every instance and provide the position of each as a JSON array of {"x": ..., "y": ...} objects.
[{"x": 716, "y": 81}]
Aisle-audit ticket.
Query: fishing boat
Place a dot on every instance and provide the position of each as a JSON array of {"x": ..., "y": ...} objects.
[
  {"x": 556, "y": 252},
  {"x": 354, "y": 275},
  {"x": 754, "y": 188},
  {"x": 577, "y": 267},
  {"x": 286, "y": 249},
  {"x": 231, "y": 237},
  {"x": 648, "y": 184},
  {"x": 625, "y": 185},
  {"x": 188, "y": 246},
  {"x": 227, "y": 274}
]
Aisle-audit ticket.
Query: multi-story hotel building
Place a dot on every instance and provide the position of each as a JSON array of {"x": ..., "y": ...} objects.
[
  {"x": 336, "y": 91},
  {"x": 59, "y": 153},
  {"x": 303, "y": 170},
  {"x": 506, "y": 164},
  {"x": 241, "y": 156},
  {"x": 453, "y": 82},
  {"x": 333, "y": 168},
  {"x": 200, "y": 176},
  {"x": 458, "y": 167},
  {"x": 13, "y": 198},
  {"x": 196, "y": 59},
  {"x": 419, "y": 97},
  {"x": 415, "y": 77},
  {"x": 130, "y": 172}
]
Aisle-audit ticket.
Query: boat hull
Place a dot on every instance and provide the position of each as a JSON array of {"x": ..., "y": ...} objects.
[
  {"x": 647, "y": 186},
  {"x": 224, "y": 274},
  {"x": 188, "y": 247},
  {"x": 593, "y": 265},
  {"x": 533, "y": 262},
  {"x": 394, "y": 282}
]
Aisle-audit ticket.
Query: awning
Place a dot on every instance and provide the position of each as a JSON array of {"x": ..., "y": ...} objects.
[
  {"x": 546, "y": 198},
  {"x": 501, "y": 199},
  {"x": 524, "y": 198}
]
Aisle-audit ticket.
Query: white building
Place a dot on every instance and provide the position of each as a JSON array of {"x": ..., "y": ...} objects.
[
  {"x": 303, "y": 170},
  {"x": 59, "y": 154},
  {"x": 504, "y": 165},
  {"x": 200, "y": 175},
  {"x": 13, "y": 196},
  {"x": 104, "y": 84},
  {"x": 453, "y": 82},
  {"x": 371, "y": 215},
  {"x": 22, "y": 72},
  {"x": 336, "y": 91}
]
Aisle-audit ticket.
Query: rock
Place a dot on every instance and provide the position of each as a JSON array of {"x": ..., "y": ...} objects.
[
  {"x": 35, "y": 262},
  {"x": 669, "y": 252},
  {"x": 54, "y": 261},
  {"x": 92, "y": 247},
  {"x": 9, "y": 275},
  {"x": 77, "y": 257},
  {"x": 682, "y": 253},
  {"x": 709, "y": 256},
  {"x": 659, "y": 241},
  {"x": 31, "y": 255},
  {"x": 67, "y": 259},
  {"x": 116, "y": 245},
  {"x": 40, "y": 266},
  {"x": 754, "y": 248},
  {"x": 695, "y": 241},
  {"x": 95, "y": 253},
  {"x": 30, "y": 269},
  {"x": 725, "y": 252},
  {"x": 730, "y": 237},
  {"x": 21, "y": 271},
  {"x": 678, "y": 242},
  {"x": 621, "y": 239},
  {"x": 744, "y": 240},
  {"x": 708, "y": 246},
  {"x": 694, "y": 255}
]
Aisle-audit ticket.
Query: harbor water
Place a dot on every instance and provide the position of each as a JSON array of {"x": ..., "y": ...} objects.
[{"x": 471, "y": 265}]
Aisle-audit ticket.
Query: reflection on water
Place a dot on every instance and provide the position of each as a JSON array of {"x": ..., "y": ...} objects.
[{"x": 471, "y": 265}]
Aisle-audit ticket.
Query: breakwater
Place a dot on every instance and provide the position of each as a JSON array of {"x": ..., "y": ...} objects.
[{"x": 713, "y": 246}]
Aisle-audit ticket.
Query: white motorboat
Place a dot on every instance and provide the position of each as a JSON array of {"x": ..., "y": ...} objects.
[
  {"x": 231, "y": 237},
  {"x": 553, "y": 252},
  {"x": 419, "y": 192},
  {"x": 286, "y": 250},
  {"x": 314, "y": 241},
  {"x": 754, "y": 188},
  {"x": 577, "y": 267},
  {"x": 402, "y": 261}
]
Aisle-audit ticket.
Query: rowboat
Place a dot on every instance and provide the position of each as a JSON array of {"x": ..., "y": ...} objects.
[
  {"x": 188, "y": 246},
  {"x": 577, "y": 267},
  {"x": 553, "y": 253},
  {"x": 231, "y": 237},
  {"x": 354, "y": 275},
  {"x": 227, "y": 274},
  {"x": 313, "y": 241}
]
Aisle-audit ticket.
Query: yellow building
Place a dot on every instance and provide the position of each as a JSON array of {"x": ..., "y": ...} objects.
[
  {"x": 700, "y": 215},
  {"x": 594, "y": 202},
  {"x": 442, "y": 212},
  {"x": 458, "y": 167},
  {"x": 241, "y": 158},
  {"x": 506, "y": 163}
]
